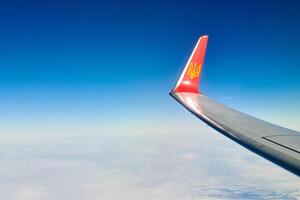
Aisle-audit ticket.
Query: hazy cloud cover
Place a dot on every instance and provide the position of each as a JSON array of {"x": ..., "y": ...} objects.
[{"x": 195, "y": 165}]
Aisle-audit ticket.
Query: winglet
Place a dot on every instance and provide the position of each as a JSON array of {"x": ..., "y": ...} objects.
[{"x": 190, "y": 77}]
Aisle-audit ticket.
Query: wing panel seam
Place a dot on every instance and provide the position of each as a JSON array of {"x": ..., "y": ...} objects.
[{"x": 281, "y": 145}]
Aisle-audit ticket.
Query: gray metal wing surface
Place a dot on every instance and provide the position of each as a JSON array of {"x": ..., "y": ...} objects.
[{"x": 275, "y": 143}]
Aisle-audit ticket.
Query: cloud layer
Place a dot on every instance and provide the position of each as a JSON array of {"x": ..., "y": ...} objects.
[{"x": 200, "y": 165}]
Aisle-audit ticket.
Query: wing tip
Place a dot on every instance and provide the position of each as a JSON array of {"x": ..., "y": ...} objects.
[{"x": 190, "y": 76}]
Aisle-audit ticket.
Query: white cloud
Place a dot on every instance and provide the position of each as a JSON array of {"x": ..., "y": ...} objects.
[
  {"x": 189, "y": 156},
  {"x": 28, "y": 192},
  {"x": 202, "y": 165}
]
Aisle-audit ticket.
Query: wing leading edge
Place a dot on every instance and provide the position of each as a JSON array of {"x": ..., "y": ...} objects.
[{"x": 277, "y": 144}]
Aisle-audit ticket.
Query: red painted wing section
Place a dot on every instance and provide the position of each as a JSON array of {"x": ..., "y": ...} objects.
[{"x": 190, "y": 77}]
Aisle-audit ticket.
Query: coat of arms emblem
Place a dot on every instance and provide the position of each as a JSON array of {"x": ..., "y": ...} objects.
[{"x": 194, "y": 70}]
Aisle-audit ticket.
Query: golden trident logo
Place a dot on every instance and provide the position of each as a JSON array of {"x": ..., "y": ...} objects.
[{"x": 194, "y": 70}]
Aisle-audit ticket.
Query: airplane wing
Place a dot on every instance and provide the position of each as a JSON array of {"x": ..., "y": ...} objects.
[{"x": 277, "y": 144}]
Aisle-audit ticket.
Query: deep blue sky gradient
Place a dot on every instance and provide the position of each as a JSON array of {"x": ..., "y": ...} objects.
[{"x": 112, "y": 61}]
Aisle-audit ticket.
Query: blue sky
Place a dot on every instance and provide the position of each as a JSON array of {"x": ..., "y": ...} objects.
[{"x": 112, "y": 61}]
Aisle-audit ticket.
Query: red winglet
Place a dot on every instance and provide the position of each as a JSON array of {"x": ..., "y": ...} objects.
[{"x": 190, "y": 77}]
